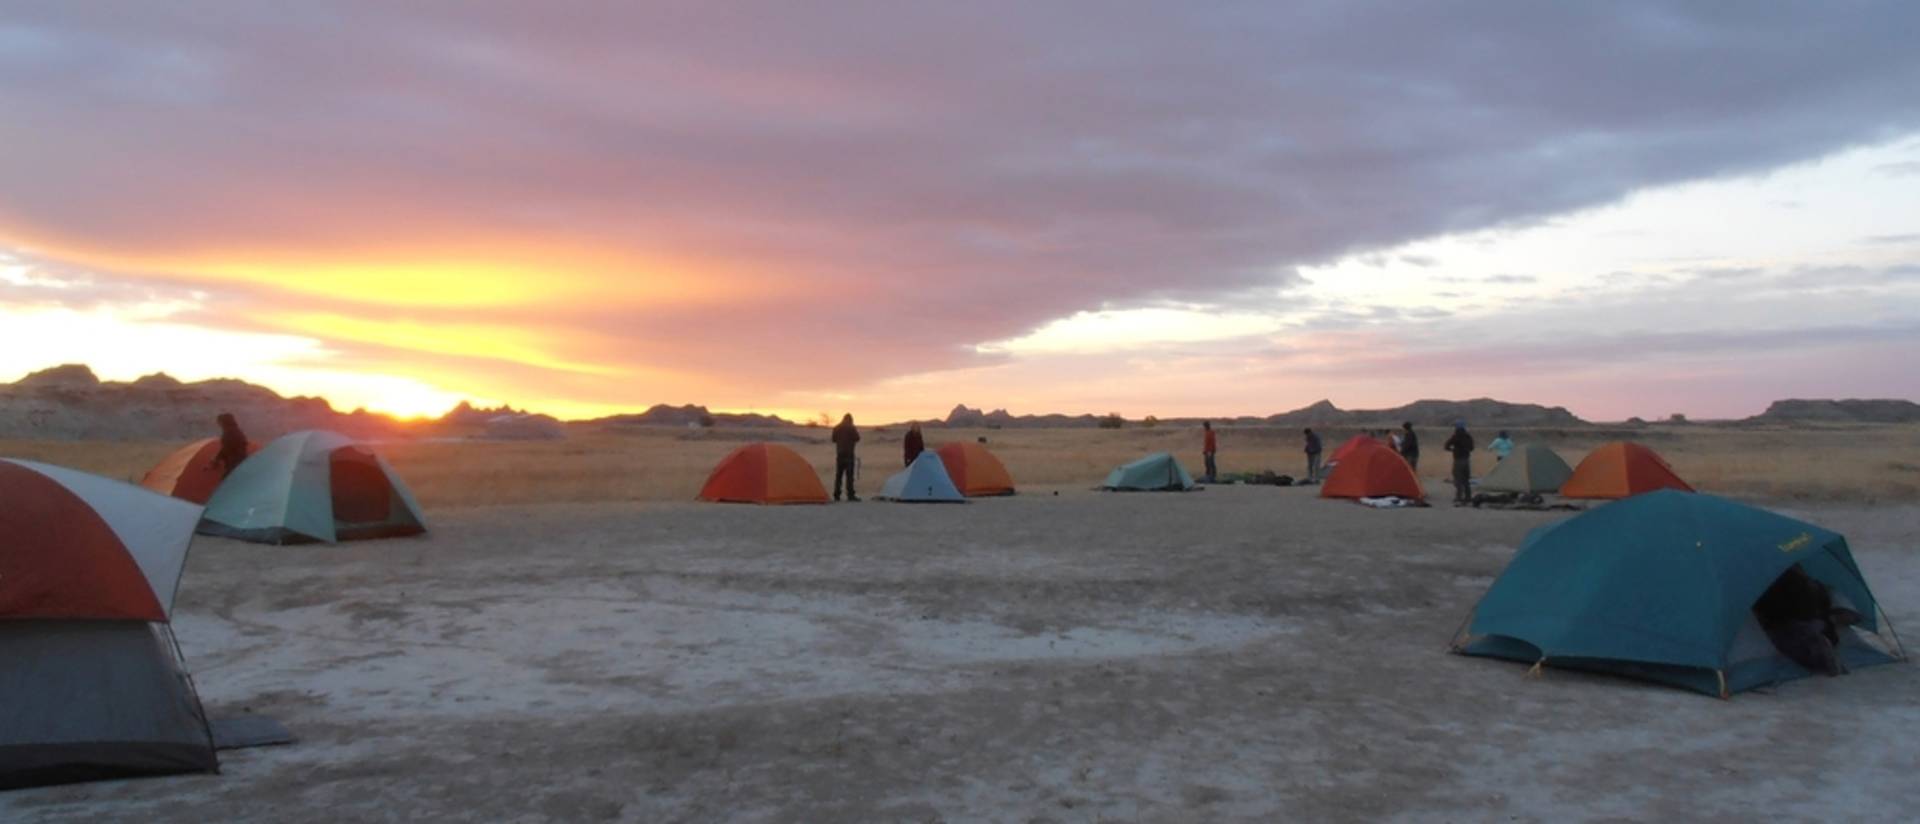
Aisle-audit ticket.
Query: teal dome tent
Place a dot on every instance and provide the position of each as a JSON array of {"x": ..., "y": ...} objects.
[
  {"x": 1661, "y": 586},
  {"x": 312, "y": 486},
  {"x": 1158, "y": 472}
]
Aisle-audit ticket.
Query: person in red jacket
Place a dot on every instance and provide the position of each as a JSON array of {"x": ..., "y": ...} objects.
[
  {"x": 915, "y": 443},
  {"x": 1208, "y": 446}
]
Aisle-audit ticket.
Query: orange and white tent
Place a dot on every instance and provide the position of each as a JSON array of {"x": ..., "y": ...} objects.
[
  {"x": 764, "y": 473},
  {"x": 189, "y": 473},
  {"x": 1373, "y": 470},
  {"x": 1619, "y": 470},
  {"x": 92, "y": 686},
  {"x": 975, "y": 471}
]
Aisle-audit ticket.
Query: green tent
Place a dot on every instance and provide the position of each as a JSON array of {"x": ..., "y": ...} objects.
[
  {"x": 1158, "y": 472},
  {"x": 1661, "y": 586},
  {"x": 923, "y": 481},
  {"x": 312, "y": 486},
  {"x": 1534, "y": 469}
]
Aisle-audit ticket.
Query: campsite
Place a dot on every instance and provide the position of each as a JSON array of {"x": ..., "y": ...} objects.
[
  {"x": 612, "y": 648},
  {"x": 1053, "y": 413}
]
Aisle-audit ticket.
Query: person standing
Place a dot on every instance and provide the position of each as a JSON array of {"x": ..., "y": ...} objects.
[
  {"x": 915, "y": 443},
  {"x": 1502, "y": 446},
  {"x": 233, "y": 445},
  {"x": 1313, "y": 457},
  {"x": 1208, "y": 446},
  {"x": 844, "y": 437},
  {"x": 1410, "y": 445},
  {"x": 1461, "y": 445}
]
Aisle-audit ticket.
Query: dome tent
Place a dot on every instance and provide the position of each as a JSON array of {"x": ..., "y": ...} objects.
[
  {"x": 924, "y": 481},
  {"x": 763, "y": 473},
  {"x": 1158, "y": 472},
  {"x": 188, "y": 473},
  {"x": 1619, "y": 470},
  {"x": 93, "y": 686},
  {"x": 975, "y": 471},
  {"x": 1350, "y": 445},
  {"x": 1373, "y": 470},
  {"x": 1661, "y": 587},
  {"x": 1530, "y": 469},
  {"x": 313, "y": 486}
]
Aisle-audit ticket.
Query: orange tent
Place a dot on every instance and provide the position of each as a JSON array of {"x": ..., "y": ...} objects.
[
  {"x": 764, "y": 473},
  {"x": 975, "y": 471},
  {"x": 189, "y": 473},
  {"x": 1353, "y": 443},
  {"x": 1619, "y": 470},
  {"x": 1373, "y": 471}
]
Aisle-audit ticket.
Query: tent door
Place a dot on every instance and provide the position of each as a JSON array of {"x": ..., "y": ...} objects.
[{"x": 361, "y": 493}]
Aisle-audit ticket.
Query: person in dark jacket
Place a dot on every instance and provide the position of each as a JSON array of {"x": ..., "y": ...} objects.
[
  {"x": 1313, "y": 457},
  {"x": 915, "y": 443},
  {"x": 844, "y": 437},
  {"x": 1461, "y": 445},
  {"x": 1410, "y": 445},
  {"x": 1799, "y": 617},
  {"x": 233, "y": 445}
]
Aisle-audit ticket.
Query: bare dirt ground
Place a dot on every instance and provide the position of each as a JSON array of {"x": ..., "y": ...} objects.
[{"x": 1240, "y": 653}]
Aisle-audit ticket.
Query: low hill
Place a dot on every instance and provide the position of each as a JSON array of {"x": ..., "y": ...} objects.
[
  {"x": 1885, "y": 410},
  {"x": 1479, "y": 412},
  {"x": 966, "y": 417},
  {"x": 71, "y": 403},
  {"x": 689, "y": 415}
]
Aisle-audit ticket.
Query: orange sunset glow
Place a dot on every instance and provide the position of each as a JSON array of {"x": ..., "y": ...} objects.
[{"x": 511, "y": 208}]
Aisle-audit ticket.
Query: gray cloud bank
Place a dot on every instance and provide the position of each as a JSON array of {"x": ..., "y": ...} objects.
[{"x": 930, "y": 175}]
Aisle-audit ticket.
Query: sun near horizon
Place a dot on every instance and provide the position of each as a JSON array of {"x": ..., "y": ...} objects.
[{"x": 553, "y": 221}]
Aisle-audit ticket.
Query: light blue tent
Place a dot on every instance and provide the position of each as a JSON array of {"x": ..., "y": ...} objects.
[
  {"x": 1158, "y": 472},
  {"x": 1661, "y": 586},
  {"x": 312, "y": 486},
  {"x": 923, "y": 481}
]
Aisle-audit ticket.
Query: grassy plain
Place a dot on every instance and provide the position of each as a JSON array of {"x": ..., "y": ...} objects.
[{"x": 1856, "y": 464}]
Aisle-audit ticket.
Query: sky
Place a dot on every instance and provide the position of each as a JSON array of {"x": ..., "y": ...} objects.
[{"x": 891, "y": 208}]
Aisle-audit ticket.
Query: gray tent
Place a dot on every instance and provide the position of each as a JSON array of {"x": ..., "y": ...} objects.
[
  {"x": 86, "y": 700},
  {"x": 1531, "y": 468},
  {"x": 91, "y": 682}
]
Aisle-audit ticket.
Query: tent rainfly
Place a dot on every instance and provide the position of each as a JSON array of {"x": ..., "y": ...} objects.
[{"x": 92, "y": 685}]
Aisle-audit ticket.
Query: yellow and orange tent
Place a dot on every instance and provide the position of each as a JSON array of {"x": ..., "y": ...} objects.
[
  {"x": 1373, "y": 470},
  {"x": 1621, "y": 469},
  {"x": 189, "y": 473},
  {"x": 975, "y": 471},
  {"x": 764, "y": 473}
]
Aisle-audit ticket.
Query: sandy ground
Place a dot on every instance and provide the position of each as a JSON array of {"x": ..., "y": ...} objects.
[{"x": 1236, "y": 654}]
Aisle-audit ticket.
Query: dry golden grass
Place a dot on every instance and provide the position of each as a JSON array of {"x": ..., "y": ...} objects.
[{"x": 1864, "y": 464}]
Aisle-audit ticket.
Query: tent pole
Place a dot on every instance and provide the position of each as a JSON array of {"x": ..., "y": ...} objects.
[
  {"x": 1899, "y": 649},
  {"x": 194, "y": 689}
]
